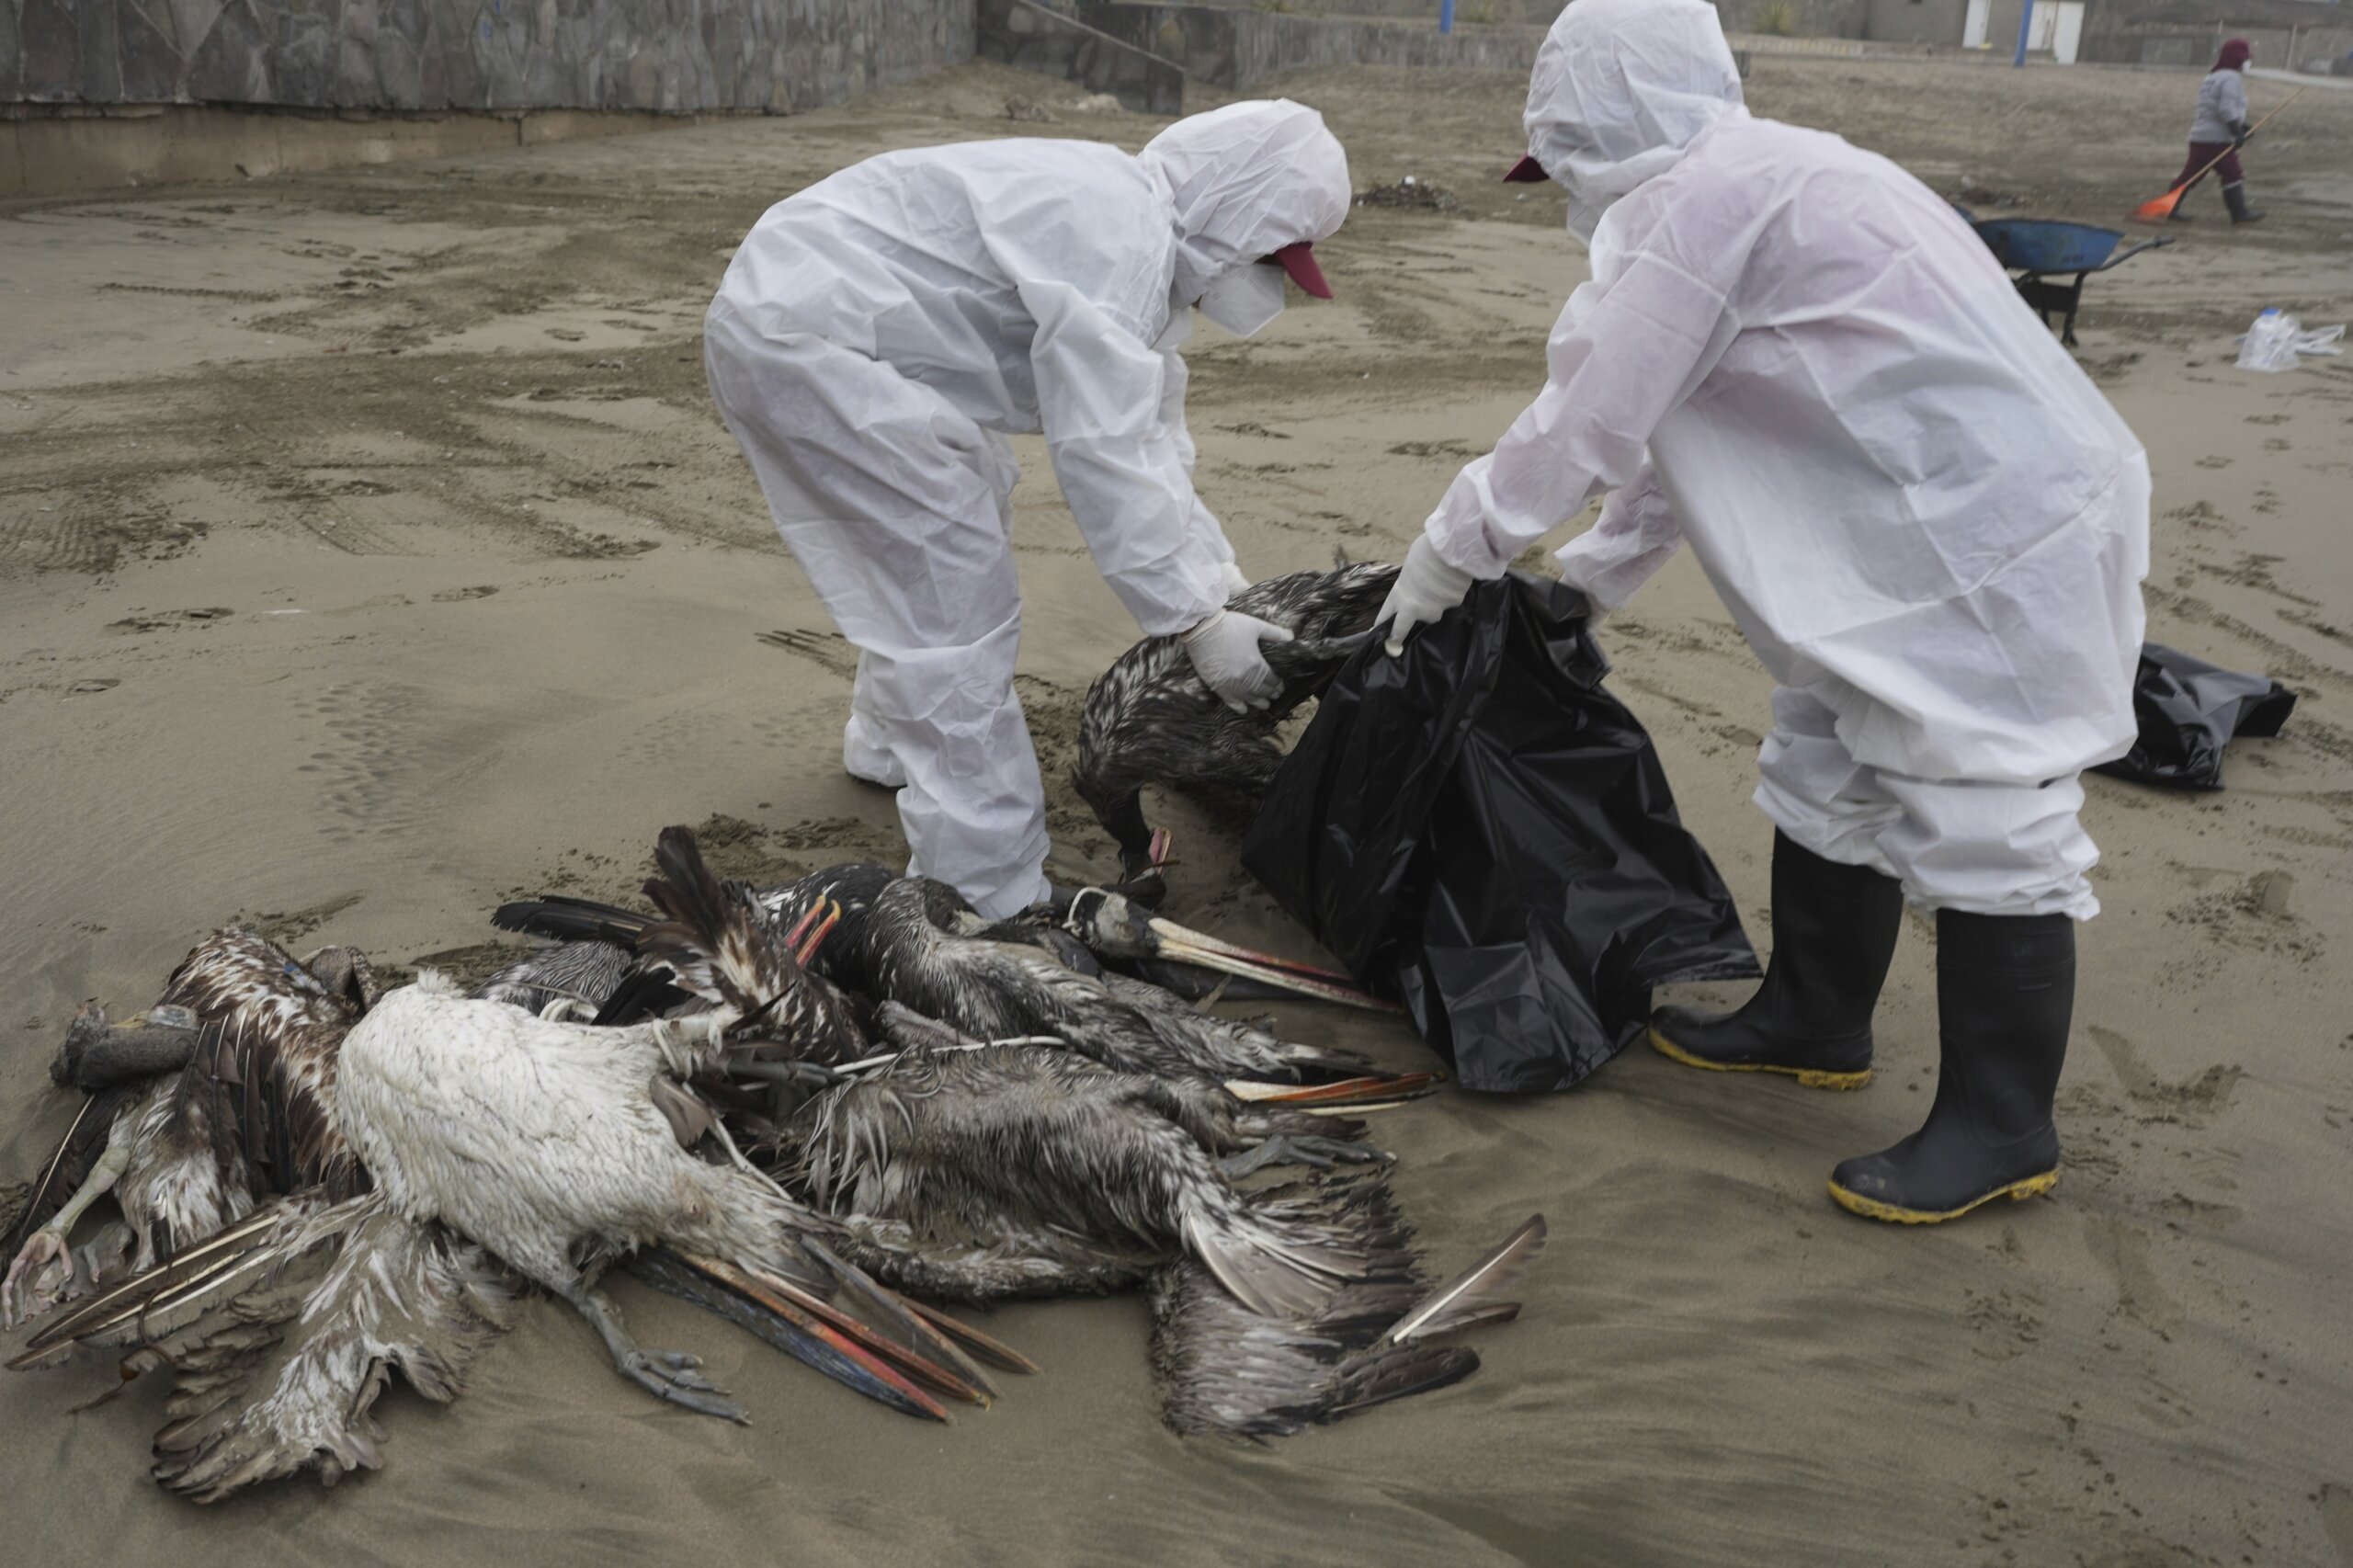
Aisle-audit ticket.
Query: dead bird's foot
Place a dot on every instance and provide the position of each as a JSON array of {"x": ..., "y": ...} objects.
[{"x": 673, "y": 1375}]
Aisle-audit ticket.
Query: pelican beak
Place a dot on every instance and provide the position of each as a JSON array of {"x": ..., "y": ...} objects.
[
  {"x": 802, "y": 940},
  {"x": 751, "y": 1302},
  {"x": 995, "y": 1352},
  {"x": 917, "y": 1342},
  {"x": 1348, "y": 1094},
  {"x": 805, "y": 949},
  {"x": 1170, "y": 940}
]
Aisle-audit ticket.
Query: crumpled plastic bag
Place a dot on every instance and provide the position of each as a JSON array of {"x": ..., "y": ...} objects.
[
  {"x": 2278, "y": 341},
  {"x": 1481, "y": 831},
  {"x": 2189, "y": 709}
]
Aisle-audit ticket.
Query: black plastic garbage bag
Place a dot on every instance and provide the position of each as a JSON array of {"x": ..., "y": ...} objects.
[
  {"x": 2188, "y": 710},
  {"x": 1481, "y": 831}
]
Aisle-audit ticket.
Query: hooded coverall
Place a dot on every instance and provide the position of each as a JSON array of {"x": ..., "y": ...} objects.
[
  {"x": 879, "y": 333},
  {"x": 1925, "y": 520}
]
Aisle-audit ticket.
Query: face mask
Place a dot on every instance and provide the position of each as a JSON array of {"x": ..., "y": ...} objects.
[{"x": 1245, "y": 299}]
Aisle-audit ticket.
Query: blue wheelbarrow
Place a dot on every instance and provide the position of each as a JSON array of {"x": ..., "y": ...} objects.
[{"x": 2040, "y": 250}]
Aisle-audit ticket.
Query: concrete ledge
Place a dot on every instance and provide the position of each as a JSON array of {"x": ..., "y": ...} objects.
[{"x": 70, "y": 151}]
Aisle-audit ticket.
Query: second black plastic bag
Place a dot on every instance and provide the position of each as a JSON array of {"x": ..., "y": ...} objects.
[
  {"x": 1482, "y": 830},
  {"x": 2188, "y": 710}
]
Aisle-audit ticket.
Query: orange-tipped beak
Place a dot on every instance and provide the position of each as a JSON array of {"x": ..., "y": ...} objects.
[
  {"x": 1299, "y": 261},
  {"x": 1528, "y": 171},
  {"x": 804, "y": 950}
]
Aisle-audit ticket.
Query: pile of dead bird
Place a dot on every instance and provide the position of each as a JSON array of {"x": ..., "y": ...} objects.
[{"x": 823, "y": 1111}]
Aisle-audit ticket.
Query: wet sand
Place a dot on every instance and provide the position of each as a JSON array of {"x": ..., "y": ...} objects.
[{"x": 369, "y": 553}]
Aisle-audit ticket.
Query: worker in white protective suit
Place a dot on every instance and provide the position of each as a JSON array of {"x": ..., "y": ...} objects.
[
  {"x": 879, "y": 333},
  {"x": 1928, "y": 523}
]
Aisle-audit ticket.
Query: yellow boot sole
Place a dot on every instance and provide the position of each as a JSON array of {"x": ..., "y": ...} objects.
[
  {"x": 1812, "y": 1077},
  {"x": 1895, "y": 1214}
]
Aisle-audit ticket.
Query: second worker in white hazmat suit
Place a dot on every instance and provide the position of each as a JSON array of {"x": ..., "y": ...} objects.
[
  {"x": 877, "y": 336},
  {"x": 1929, "y": 524}
]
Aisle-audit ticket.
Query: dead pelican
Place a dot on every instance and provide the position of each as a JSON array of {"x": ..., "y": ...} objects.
[
  {"x": 982, "y": 1171},
  {"x": 995, "y": 990},
  {"x": 547, "y": 1141},
  {"x": 1149, "y": 719},
  {"x": 914, "y": 941},
  {"x": 249, "y": 1113}
]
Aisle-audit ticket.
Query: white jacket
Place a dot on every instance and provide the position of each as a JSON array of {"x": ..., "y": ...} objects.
[
  {"x": 1034, "y": 284},
  {"x": 1917, "y": 509}
]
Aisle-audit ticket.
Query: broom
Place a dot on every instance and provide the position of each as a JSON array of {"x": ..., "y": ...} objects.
[{"x": 2159, "y": 209}]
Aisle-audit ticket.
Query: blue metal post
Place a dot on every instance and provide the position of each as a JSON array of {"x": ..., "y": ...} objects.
[
  {"x": 1446, "y": 16},
  {"x": 2026, "y": 20}
]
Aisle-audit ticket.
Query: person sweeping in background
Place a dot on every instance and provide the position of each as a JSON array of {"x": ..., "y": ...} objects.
[
  {"x": 2220, "y": 128},
  {"x": 1927, "y": 521},
  {"x": 879, "y": 333}
]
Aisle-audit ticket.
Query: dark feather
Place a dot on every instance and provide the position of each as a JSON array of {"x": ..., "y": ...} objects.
[
  {"x": 562, "y": 920},
  {"x": 646, "y": 993},
  {"x": 1224, "y": 1368},
  {"x": 716, "y": 944},
  {"x": 1150, "y": 719}
]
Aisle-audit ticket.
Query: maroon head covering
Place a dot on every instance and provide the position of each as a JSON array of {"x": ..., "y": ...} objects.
[{"x": 2236, "y": 52}]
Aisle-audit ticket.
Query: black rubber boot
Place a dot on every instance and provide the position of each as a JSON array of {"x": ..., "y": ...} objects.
[
  {"x": 2005, "y": 990},
  {"x": 2235, "y": 198},
  {"x": 1833, "y": 931}
]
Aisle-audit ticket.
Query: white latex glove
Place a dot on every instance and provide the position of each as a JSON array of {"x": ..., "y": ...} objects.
[
  {"x": 1427, "y": 587},
  {"x": 1226, "y": 652},
  {"x": 1231, "y": 577}
]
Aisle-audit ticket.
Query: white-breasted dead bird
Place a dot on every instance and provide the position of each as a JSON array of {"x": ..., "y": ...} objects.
[
  {"x": 1150, "y": 719},
  {"x": 558, "y": 1146},
  {"x": 261, "y": 1271}
]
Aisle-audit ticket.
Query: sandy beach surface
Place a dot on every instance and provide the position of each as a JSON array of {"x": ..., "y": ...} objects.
[{"x": 371, "y": 552}]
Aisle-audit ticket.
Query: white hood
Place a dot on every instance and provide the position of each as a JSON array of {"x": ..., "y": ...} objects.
[
  {"x": 1244, "y": 181},
  {"x": 1619, "y": 89}
]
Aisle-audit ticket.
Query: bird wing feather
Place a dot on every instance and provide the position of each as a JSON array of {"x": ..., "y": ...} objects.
[
  {"x": 283, "y": 1376},
  {"x": 1474, "y": 1295},
  {"x": 715, "y": 938}
]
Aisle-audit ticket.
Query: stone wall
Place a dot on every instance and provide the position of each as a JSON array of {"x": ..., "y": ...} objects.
[
  {"x": 1813, "y": 19},
  {"x": 669, "y": 56},
  {"x": 2191, "y": 46},
  {"x": 1036, "y": 37},
  {"x": 1234, "y": 47}
]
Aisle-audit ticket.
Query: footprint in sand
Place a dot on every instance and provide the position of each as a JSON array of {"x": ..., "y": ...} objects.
[
  {"x": 826, "y": 650},
  {"x": 2122, "y": 1252},
  {"x": 364, "y": 761},
  {"x": 2156, "y": 1100}
]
